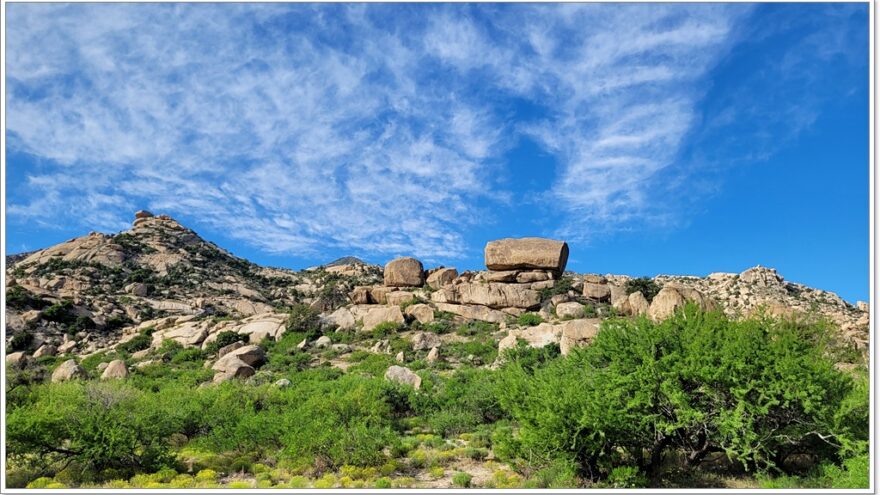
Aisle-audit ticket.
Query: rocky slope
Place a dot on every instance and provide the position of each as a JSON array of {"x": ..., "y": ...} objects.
[{"x": 96, "y": 292}]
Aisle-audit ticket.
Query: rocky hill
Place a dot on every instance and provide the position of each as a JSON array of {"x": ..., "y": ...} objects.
[{"x": 96, "y": 292}]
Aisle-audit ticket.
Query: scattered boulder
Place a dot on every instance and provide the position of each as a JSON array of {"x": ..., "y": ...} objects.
[
  {"x": 342, "y": 318},
  {"x": 421, "y": 312},
  {"x": 425, "y": 340},
  {"x": 528, "y": 253},
  {"x": 577, "y": 333},
  {"x": 282, "y": 383},
  {"x": 570, "y": 310},
  {"x": 404, "y": 272},
  {"x": 382, "y": 314},
  {"x": 68, "y": 370},
  {"x": 233, "y": 368},
  {"x": 433, "y": 355},
  {"x": 323, "y": 342},
  {"x": 45, "y": 350},
  {"x": 399, "y": 357},
  {"x": 116, "y": 369},
  {"x": 18, "y": 359},
  {"x": 143, "y": 214},
  {"x": 441, "y": 277},
  {"x": 229, "y": 348},
  {"x": 404, "y": 376},
  {"x": 137, "y": 289},
  {"x": 67, "y": 347},
  {"x": 863, "y": 306},
  {"x": 252, "y": 355},
  {"x": 304, "y": 343},
  {"x": 102, "y": 366},
  {"x": 537, "y": 336}
]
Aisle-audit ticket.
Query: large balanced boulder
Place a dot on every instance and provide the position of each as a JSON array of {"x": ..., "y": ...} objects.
[
  {"x": 404, "y": 272},
  {"x": 528, "y": 253},
  {"x": 68, "y": 370}
]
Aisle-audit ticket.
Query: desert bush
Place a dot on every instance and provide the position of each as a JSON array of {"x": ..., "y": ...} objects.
[
  {"x": 224, "y": 338},
  {"x": 304, "y": 319},
  {"x": 529, "y": 319},
  {"x": 645, "y": 285},
  {"x": 758, "y": 390},
  {"x": 137, "y": 343},
  {"x": 462, "y": 479}
]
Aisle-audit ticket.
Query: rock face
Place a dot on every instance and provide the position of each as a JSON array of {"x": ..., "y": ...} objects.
[
  {"x": 421, "y": 312},
  {"x": 68, "y": 370},
  {"x": 670, "y": 298},
  {"x": 528, "y": 253},
  {"x": 441, "y": 277},
  {"x": 473, "y": 312},
  {"x": 761, "y": 276},
  {"x": 493, "y": 295},
  {"x": 115, "y": 370},
  {"x": 376, "y": 316},
  {"x": 398, "y": 297},
  {"x": 404, "y": 272},
  {"x": 404, "y": 376}
]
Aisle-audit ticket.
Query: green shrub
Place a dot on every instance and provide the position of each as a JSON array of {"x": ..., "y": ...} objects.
[
  {"x": 385, "y": 329},
  {"x": 383, "y": 482},
  {"x": 529, "y": 319},
  {"x": 21, "y": 341},
  {"x": 645, "y": 285},
  {"x": 626, "y": 477},
  {"x": 303, "y": 319},
  {"x": 757, "y": 389},
  {"x": 137, "y": 343},
  {"x": 224, "y": 338},
  {"x": 61, "y": 312},
  {"x": 462, "y": 479},
  {"x": 18, "y": 297}
]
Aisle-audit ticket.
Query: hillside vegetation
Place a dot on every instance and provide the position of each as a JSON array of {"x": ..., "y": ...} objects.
[{"x": 154, "y": 359}]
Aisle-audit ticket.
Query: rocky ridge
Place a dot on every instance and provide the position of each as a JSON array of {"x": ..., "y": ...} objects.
[{"x": 160, "y": 281}]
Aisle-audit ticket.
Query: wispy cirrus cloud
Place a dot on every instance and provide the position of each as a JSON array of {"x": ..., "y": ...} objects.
[{"x": 371, "y": 128}]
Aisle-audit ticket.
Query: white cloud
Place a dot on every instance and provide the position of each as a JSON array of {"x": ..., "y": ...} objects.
[{"x": 297, "y": 128}]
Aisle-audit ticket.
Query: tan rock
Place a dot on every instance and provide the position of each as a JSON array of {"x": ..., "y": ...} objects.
[
  {"x": 18, "y": 359},
  {"x": 570, "y": 310},
  {"x": 45, "y": 350},
  {"x": 761, "y": 276},
  {"x": 233, "y": 368},
  {"x": 399, "y": 357},
  {"x": 143, "y": 214},
  {"x": 360, "y": 295},
  {"x": 618, "y": 294},
  {"x": 421, "y": 312},
  {"x": 137, "y": 289},
  {"x": 670, "y": 298},
  {"x": 67, "y": 347},
  {"x": 496, "y": 295},
  {"x": 342, "y": 319},
  {"x": 597, "y": 292},
  {"x": 593, "y": 278},
  {"x": 500, "y": 276},
  {"x": 577, "y": 333},
  {"x": 382, "y": 314},
  {"x": 546, "y": 284},
  {"x": 404, "y": 272},
  {"x": 863, "y": 306},
  {"x": 229, "y": 348},
  {"x": 433, "y": 355},
  {"x": 404, "y": 376},
  {"x": 425, "y": 340},
  {"x": 398, "y": 297},
  {"x": 68, "y": 370},
  {"x": 532, "y": 276},
  {"x": 441, "y": 277},
  {"x": 473, "y": 312},
  {"x": 115, "y": 370},
  {"x": 377, "y": 294},
  {"x": 529, "y": 253},
  {"x": 251, "y": 355},
  {"x": 538, "y": 336},
  {"x": 638, "y": 305}
]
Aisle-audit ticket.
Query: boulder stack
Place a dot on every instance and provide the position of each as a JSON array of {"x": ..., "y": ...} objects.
[
  {"x": 527, "y": 253},
  {"x": 404, "y": 272}
]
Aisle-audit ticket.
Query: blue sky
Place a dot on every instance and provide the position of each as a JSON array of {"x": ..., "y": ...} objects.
[{"x": 654, "y": 138}]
